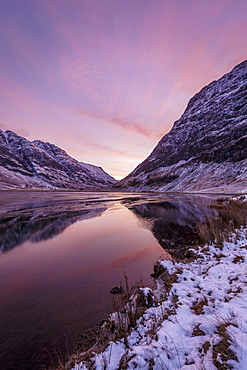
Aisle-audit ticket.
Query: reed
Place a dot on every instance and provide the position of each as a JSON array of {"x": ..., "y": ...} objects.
[{"x": 229, "y": 216}]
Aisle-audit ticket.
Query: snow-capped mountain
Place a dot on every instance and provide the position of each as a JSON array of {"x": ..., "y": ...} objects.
[
  {"x": 206, "y": 150},
  {"x": 37, "y": 164}
]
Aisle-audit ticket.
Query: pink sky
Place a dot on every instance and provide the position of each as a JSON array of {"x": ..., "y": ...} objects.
[{"x": 106, "y": 79}]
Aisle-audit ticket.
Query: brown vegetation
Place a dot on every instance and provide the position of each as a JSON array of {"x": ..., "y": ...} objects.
[
  {"x": 198, "y": 306},
  {"x": 129, "y": 306},
  {"x": 197, "y": 332},
  {"x": 230, "y": 215},
  {"x": 222, "y": 352}
]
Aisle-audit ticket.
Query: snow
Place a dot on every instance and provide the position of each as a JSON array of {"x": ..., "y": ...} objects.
[
  {"x": 205, "y": 151},
  {"x": 183, "y": 331},
  {"x": 43, "y": 165},
  {"x": 201, "y": 178}
]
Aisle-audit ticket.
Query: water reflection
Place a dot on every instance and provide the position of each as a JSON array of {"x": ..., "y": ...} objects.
[
  {"x": 41, "y": 223},
  {"x": 56, "y": 284},
  {"x": 173, "y": 221},
  {"x": 73, "y": 249},
  {"x": 40, "y": 217}
]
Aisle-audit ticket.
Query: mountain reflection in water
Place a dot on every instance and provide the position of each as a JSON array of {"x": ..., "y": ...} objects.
[
  {"x": 73, "y": 248},
  {"x": 173, "y": 221},
  {"x": 41, "y": 223}
]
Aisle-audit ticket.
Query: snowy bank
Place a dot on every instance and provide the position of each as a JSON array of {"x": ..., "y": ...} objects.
[{"x": 197, "y": 320}]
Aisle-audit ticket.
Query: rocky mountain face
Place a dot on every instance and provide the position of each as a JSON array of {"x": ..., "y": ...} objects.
[
  {"x": 36, "y": 164},
  {"x": 206, "y": 150}
]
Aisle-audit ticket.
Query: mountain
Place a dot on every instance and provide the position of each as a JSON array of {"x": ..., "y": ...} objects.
[
  {"x": 37, "y": 164},
  {"x": 206, "y": 149}
]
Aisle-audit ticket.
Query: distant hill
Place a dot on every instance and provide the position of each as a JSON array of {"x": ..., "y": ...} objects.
[{"x": 41, "y": 165}]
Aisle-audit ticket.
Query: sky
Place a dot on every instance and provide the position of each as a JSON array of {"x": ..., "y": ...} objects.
[{"x": 106, "y": 79}]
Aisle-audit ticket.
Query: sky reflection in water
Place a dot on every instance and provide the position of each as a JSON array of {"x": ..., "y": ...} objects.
[{"x": 63, "y": 252}]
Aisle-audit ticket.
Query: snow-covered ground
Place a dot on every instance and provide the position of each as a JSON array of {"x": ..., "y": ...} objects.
[{"x": 200, "y": 324}]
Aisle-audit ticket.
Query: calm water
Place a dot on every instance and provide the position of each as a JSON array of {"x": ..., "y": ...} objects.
[{"x": 61, "y": 254}]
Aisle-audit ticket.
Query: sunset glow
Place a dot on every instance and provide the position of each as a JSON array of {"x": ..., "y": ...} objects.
[{"x": 106, "y": 79}]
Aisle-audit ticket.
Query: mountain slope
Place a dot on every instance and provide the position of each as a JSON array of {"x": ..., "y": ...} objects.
[
  {"x": 206, "y": 150},
  {"x": 36, "y": 164}
]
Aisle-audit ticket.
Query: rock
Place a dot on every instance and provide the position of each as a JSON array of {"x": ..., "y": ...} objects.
[
  {"x": 158, "y": 270},
  {"x": 117, "y": 290}
]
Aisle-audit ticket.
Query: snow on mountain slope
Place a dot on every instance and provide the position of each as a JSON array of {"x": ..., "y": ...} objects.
[
  {"x": 36, "y": 164},
  {"x": 206, "y": 150}
]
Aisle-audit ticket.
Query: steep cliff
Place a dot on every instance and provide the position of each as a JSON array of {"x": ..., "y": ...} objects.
[{"x": 206, "y": 150}]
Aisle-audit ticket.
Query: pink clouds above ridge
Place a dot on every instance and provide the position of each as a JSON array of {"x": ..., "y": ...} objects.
[{"x": 106, "y": 79}]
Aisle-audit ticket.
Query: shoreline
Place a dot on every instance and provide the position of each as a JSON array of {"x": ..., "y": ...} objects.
[
  {"x": 102, "y": 190},
  {"x": 194, "y": 318},
  {"x": 204, "y": 309}
]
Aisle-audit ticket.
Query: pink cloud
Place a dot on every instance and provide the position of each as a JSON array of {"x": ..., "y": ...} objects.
[
  {"x": 111, "y": 77},
  {"x": 119, "y": 121}
]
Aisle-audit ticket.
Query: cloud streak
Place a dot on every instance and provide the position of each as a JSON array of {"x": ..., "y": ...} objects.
[
  {"x": 120, "y": 121},
  {"x": 115, "y": 74}
]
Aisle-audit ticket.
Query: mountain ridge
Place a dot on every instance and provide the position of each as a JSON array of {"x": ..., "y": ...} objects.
[
  {"x": 206, "y": 149},
  {"x": 42, "y": 165}
]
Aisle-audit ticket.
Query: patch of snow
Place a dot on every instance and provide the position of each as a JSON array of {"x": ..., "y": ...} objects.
[{"x": 182, "y": 331}]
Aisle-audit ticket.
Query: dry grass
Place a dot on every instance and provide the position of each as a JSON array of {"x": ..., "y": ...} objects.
[
  {"x": 205, "y": 347},
  {"x": 231, "y": 215},
  {"x": 124, "y": 361},
  {"x": 128, "y": 308},
  {"x": 167, "y": 278},
  {"x": 198, "y": 306},
  {"x": 197, "y": 332},
  {"x": 222, "y": 352},
  {"x": 238, "y": 259}
]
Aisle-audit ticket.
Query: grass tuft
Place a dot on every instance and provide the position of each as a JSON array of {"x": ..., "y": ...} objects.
[
  {"x": 198, "y": 306},
  {"x": 222, "y": 352},
  {"x": 197, "y": 332},
  {"x": 230, "y": 215}
]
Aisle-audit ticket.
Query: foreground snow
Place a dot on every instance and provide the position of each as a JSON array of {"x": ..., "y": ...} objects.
[{"x": 201, "y": 323}]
